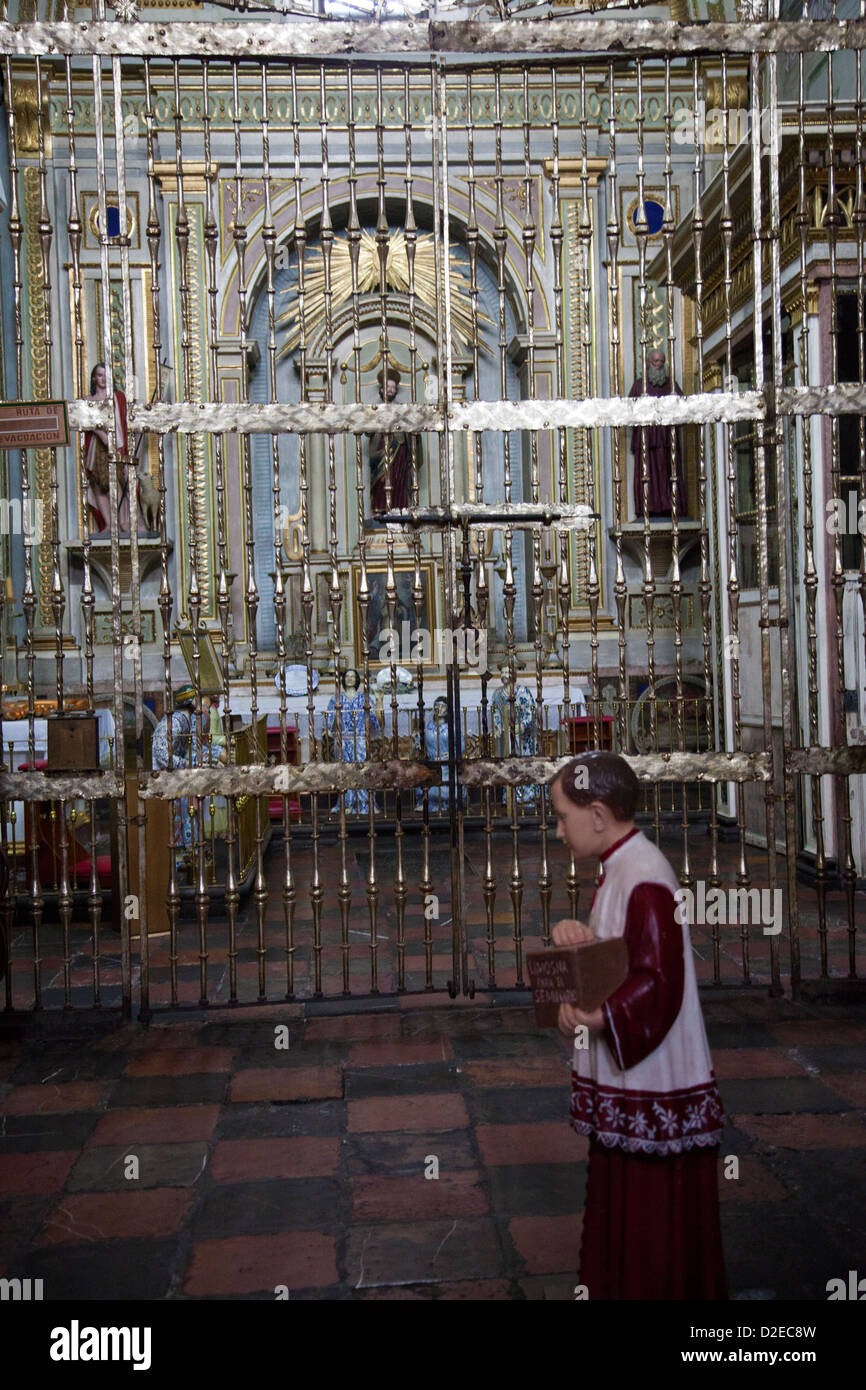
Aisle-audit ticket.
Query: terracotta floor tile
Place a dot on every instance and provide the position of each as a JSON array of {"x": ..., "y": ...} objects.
[
  {"x": 548, "y": 1244},
  {"x": 418, "y": 1198},
  {"x": 805, "y": 1131},
  {"x": 399, "y": 1052},
  {"x": 530, "y": 1143},
  {"x": 254, "y": 1264},
  {"x": 408, "y": 1113},
  {"x": 180, "y": 1061},
  {"x": 289, "y": 1083},
  {"x": 95, "y": 1216},
  {"x": 26, "y": 1174},
  {"x": 851, "y": 1086},
  {"x": 755, "y": 1182},
  {"x": 50, "y": 1099},
  {"x": 246, "y": 1160},
  {"x": 171, "y": 1124},
  {"x": 729, "y": 1062}
]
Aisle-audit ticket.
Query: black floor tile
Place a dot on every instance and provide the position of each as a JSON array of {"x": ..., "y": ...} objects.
[
  {"x": 59, "y": 1065},
  {"x": 482, "y": 1047},
  {"x": 745, "y": 1034},
  {"x": 282, "y": 1121},
  {"x": 21, "y": 1134},
  {"x": 537, "y": 1189},
  {"x": 519, "y": 1105},
  {"x": 779, "y": 1095},
  {"x": 201, "y": 1088},
  {"x": 401, "y": 1081},
  {"x": 260, "y": 1208},
  {"x": 103, "y": 1168},
  {"x": 833, "y": 1192},
  {"x": 833, "y": 1057},
  {"x": 297, "y": 1054},
  {"x": 129, "y": 1270},
  {"x": 770, "y": 1248},
  {"x": 403, "y": 1155}
]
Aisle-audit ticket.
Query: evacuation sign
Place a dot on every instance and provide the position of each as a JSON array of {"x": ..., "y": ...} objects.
[{"x": 33, "y": 424}]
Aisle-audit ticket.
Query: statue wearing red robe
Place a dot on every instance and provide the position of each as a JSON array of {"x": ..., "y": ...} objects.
[{"x": 655, "y": 464}]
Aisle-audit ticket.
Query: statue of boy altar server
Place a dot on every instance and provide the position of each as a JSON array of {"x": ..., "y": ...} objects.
[{"x": 643, "y": 1088}]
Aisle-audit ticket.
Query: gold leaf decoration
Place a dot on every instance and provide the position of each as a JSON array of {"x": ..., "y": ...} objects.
[{"x": 464, "y": 328}]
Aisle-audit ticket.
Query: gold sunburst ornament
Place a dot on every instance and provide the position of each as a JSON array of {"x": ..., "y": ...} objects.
[{"x": 464, "y": 328}]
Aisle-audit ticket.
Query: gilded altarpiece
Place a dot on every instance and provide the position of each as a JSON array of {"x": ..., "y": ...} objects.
[{"x": 196, "y": 540}]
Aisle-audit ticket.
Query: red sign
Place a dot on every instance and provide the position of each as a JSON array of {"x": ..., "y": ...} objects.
[{"x": 33, "y": 424}]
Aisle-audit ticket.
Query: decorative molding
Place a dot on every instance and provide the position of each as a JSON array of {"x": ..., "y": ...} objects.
[
  {"x": 39, "y": 377},
  {"x": 582, "y": 468},
  {"x": 571, "y": 172},
  {"x": 737, "y": 93},
  {"x": 196, "y": 174},
  {"x": 26, "y": 117},
  {"x": 394, "y": 116},
  {"x": 793, "y": 305},
  {"x": 194, "y": 452}
]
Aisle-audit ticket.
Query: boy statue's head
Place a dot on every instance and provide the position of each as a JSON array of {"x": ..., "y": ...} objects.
[{"x": 595, "y": 799}]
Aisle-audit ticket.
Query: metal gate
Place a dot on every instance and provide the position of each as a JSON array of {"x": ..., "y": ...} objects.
[{"x": 259, "y": 227}]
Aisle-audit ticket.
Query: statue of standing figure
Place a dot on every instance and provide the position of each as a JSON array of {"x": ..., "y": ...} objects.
[
  {"x": 96, "y": 457},
  {"x": 391, "y": 455},
  {"x": 96, "y": 466},
  {"x": 656, "y": 467}
]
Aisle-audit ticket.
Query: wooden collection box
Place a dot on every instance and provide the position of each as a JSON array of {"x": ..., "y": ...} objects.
[
  {"x": 73, "y": 743},
  {"x": 584, "y": 976}
]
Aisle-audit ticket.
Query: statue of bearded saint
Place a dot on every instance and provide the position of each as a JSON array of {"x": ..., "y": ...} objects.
[
  {"x": 391, "y": 456},
  {"x": 656, "y": 467}
]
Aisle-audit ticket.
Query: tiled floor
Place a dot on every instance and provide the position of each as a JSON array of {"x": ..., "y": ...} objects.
[{"x": 197, "y": 1159}]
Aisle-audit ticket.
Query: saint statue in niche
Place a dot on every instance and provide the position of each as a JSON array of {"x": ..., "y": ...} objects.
[
  {"x": 661, "y": 457},
  {"x": 391, "y": 454}
]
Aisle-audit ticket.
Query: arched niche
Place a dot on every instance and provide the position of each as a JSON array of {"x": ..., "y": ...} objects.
[
  {"x": 331, "y": 375},
  {"x": 283, "y": 216}
]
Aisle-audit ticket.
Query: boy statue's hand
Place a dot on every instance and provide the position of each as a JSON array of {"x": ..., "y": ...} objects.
[
  {"x": 571, "y": 933},
  {"x": 570, "y": 1017}
]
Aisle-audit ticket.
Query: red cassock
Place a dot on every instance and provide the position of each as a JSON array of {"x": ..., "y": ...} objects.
[
  {"x": 645, "y": 1094},
  {"x": 658, "y": 458}
]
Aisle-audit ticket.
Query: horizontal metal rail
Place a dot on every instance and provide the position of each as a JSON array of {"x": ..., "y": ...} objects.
[
  {"x": 593, "y": 412},
  {"x": 397, "y": 774},
  {"x": 499, "y": 41},
  {"x": 45, "y": 786}
]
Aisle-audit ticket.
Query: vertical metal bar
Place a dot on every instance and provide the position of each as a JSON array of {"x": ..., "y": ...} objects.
[
  {"x": 441, "y": 175},
  {"x": 849, "y": 871},
  {"x": 686, "y": 877},
  {"x": 116, "y": 618},
  {"x": 74, "y": 230},
  {"x": 251, "y": 597},
  {"x": 166, "y": 598},
  {"x": 762, "y": 443},
  {"x": 616, "y": 387},
  {"x": 860, "y": 225},
  {"x": 307, "y": 593},
  {"x": 28, "y": 596},
  {"x": 269, "y": 241}
]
